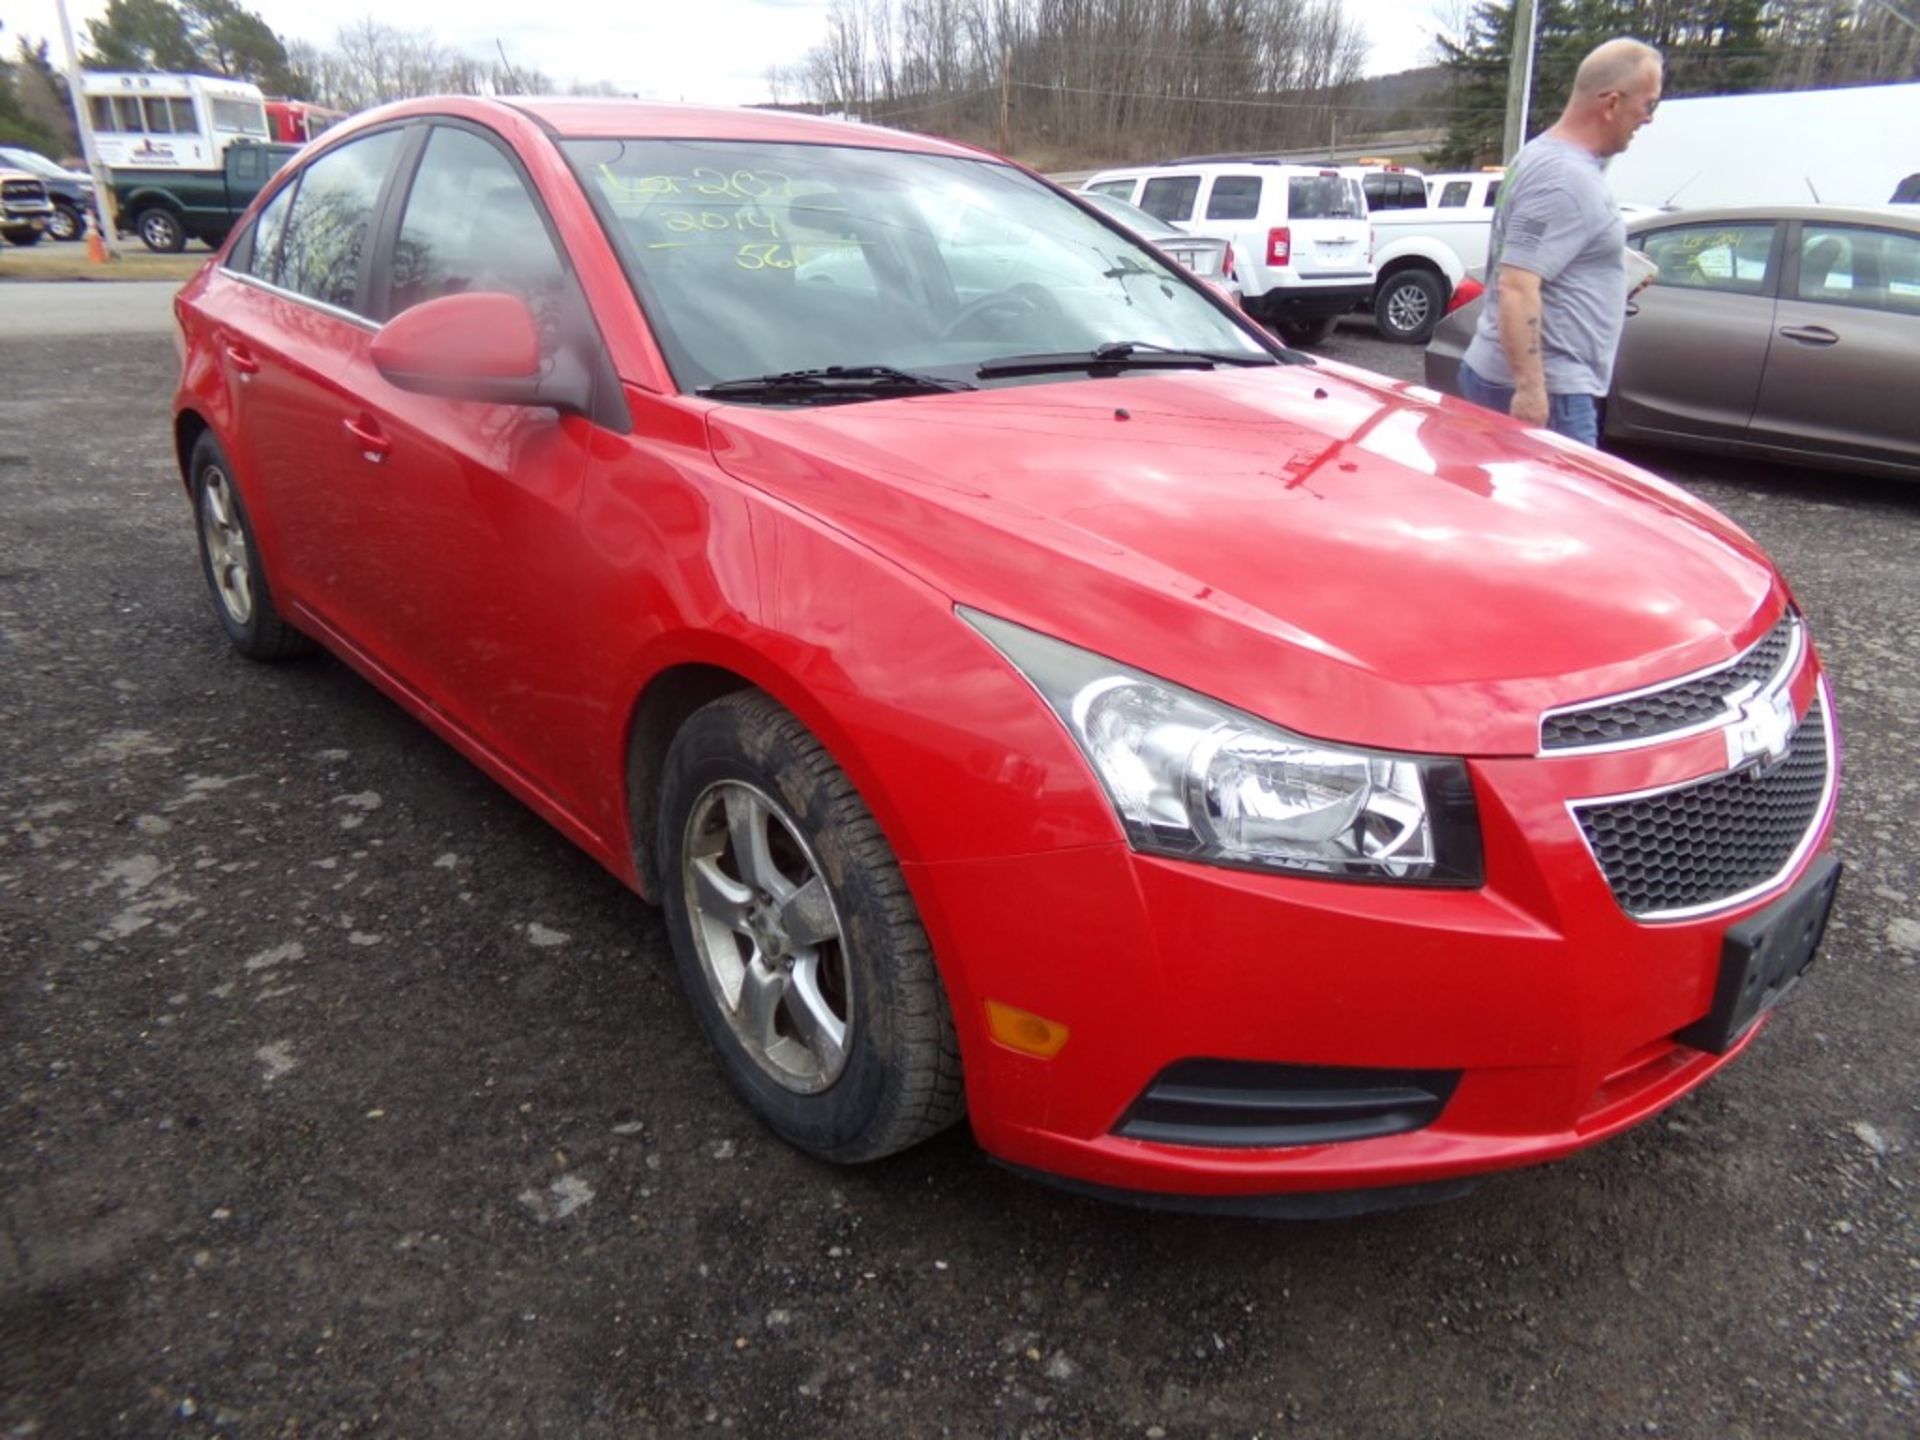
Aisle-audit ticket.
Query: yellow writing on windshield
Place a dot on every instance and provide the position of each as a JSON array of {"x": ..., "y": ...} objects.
[
  {"x": 682, "y": 222},
  {"x": 713, "y": 184}
]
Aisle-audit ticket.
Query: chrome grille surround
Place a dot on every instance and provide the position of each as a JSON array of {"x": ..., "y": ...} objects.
[
  {"x": 1712, "y": 844},
  {"x": 1674, "y": 709}
]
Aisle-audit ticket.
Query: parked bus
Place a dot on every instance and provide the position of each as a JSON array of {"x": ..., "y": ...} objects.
[
  {"x": 294, "y": 122},
  {"x": 171, "y": 122}
]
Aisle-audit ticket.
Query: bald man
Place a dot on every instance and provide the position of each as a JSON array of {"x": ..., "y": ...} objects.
[{"x": 1556, "y": 273}]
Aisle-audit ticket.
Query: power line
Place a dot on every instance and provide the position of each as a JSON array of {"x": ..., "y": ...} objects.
[{"x": 950, "y": 100}]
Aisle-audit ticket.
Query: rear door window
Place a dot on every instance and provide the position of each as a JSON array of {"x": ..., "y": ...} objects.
[
  {"x": 1171, "y": 197},
  {"x": 1234, "y": 197},
  {"x": 1325, "y": 197},
  {"x": 258, "y": 253},
  {"x": 325, "y": 246},
  {"x": 1454, "y": 194},
  {"x": 1866, "y": 269}
]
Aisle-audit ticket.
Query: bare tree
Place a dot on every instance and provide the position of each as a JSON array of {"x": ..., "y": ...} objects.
[{"x": 1115, "y": 76}]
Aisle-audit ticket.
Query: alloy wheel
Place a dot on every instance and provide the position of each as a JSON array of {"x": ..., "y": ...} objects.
[
  {"x": 227, "y": 554},
  {"x": 769, "y": 936},
  {"x": 1408, "y": 307}
]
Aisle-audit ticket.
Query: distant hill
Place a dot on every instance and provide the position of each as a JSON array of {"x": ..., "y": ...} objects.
[{"x": 1400, "y": 115}]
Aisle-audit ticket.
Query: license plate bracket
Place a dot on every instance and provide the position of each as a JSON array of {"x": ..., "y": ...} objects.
[{"x": 1763, "y": 957}]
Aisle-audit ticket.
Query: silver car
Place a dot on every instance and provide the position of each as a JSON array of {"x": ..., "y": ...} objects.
[
  {"x": 1207, "y": 256},
  {"x": 1790, "y": 333}
]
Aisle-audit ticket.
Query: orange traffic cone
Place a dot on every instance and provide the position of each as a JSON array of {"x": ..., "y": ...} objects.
[{"x": 96, "y": 248}]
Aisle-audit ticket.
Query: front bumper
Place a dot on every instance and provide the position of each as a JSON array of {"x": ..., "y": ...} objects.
[
  {"x": 1557, "y": 1011},
  {"x": 1309, "y": 300}
]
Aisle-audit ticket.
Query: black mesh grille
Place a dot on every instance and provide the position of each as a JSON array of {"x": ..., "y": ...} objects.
[
  {"x": 1711, "y": 841},
  {"x": 1678, "y": 707}
]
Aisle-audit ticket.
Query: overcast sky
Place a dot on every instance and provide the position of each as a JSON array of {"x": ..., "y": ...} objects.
[{"x": 704, "y": 50}]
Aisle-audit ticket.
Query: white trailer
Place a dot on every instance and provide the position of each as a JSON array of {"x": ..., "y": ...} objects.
[
  {"x": 1840, "y": 147},
  {"x": 171, "y": 122}
]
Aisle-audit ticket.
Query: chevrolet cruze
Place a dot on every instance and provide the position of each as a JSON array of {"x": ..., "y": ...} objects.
[{"x": 1229, "y": 779}]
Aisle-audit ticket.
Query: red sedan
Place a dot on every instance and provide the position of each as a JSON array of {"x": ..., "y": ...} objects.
[{"x": 1230, "y": 779}]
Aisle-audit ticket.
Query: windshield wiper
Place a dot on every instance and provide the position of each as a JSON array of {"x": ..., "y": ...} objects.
[
  {"x": 1118, "y": 355},
  {"x": 832, "y": 383}
]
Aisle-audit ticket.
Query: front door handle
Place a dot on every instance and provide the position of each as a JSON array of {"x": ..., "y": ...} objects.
[
  {"x": 373, "y": 445},
  {"x": 1811, "y": 334}
]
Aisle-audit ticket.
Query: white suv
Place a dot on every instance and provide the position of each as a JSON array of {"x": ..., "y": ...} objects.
[{"x": 1301, "y": 242}]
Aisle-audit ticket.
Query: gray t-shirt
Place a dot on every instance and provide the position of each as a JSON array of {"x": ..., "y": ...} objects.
[{"x": 1556, "y": 219}]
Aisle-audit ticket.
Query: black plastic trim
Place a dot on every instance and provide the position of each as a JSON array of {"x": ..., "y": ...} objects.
[
  {"x": 1291, "y": 1205},
  {"x": 1239, "y": 1104}
]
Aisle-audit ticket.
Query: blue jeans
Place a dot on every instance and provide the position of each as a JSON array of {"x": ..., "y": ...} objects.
[{"x": 1574, "y": 416}]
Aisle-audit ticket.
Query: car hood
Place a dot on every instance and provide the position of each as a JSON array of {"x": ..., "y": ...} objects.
[{"x": 1349, "y": 557}]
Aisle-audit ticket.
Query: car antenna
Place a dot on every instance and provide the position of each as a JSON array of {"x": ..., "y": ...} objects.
[
  {"x": 1667, "y": 204},
  {"x": 1815, "y": 193}
]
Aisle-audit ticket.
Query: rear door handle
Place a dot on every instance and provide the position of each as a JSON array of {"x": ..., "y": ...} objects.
[
  {"x": 373, "y": 445},
  {"x": 1811, "y": 334},
  {"x": 242, "y": 360}
]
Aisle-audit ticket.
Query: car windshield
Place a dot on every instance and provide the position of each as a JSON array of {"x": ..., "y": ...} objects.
[{"x": 756, "y": 259}]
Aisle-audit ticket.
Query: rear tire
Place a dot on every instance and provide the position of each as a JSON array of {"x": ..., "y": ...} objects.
[
  {"x": 1408, "y": 304},
  {"x": 160, "y": 229},
  {"x": 796, "y": 941},
  {"x": 1305, "y": 334},
  {"x": 230, "y": 561}
]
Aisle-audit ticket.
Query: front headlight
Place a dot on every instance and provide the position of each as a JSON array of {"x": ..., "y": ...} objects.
[{"x": 1194, "y": 778}]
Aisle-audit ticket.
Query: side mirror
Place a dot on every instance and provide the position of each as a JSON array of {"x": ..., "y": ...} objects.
[{"x": 483, "y": 345}]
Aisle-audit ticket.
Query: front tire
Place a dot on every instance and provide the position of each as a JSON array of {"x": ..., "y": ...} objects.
[
  {"x": 1305, "y": 334},
  {"x": 160, "y": 230},
  {"x": 66, "y": 223},
  {"x": 796, "y": 940},
  {"x": 1407, "y": 305},
  {"x": 230, "y": 561},
  {"x": 28, "y": 236}
]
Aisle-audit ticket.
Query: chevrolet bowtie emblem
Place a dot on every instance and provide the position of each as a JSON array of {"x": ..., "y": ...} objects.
[{"x": 1762, "y": 735}]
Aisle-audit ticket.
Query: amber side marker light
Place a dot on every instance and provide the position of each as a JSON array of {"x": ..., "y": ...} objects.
[{"x": 1029, "y": 1034}]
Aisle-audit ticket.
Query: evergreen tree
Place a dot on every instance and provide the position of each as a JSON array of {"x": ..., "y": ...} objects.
[
  {"x": 203, "y": 37},
  {"x": 18, "y": 126},
  {"x": 140, "y": 35},
  {"x": 1711, "y": 47}
]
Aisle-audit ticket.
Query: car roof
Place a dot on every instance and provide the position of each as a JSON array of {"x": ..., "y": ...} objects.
[
  {"x": 591, "y": 117},
  {"x": 1905, "y": 216}
]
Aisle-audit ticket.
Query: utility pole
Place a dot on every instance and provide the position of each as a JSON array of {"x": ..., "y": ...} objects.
[
  {"x": 1519, "y": 81},
  {"x": 1006, "y": 93},
  {"x": 108, "y": 227}
]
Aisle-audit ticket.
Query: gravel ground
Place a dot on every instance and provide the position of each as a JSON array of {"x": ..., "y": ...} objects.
[{"x": 344, "y": 1097}]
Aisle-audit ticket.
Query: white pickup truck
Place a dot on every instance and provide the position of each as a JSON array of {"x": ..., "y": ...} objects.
[{"x": 1422, "y": 253}]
